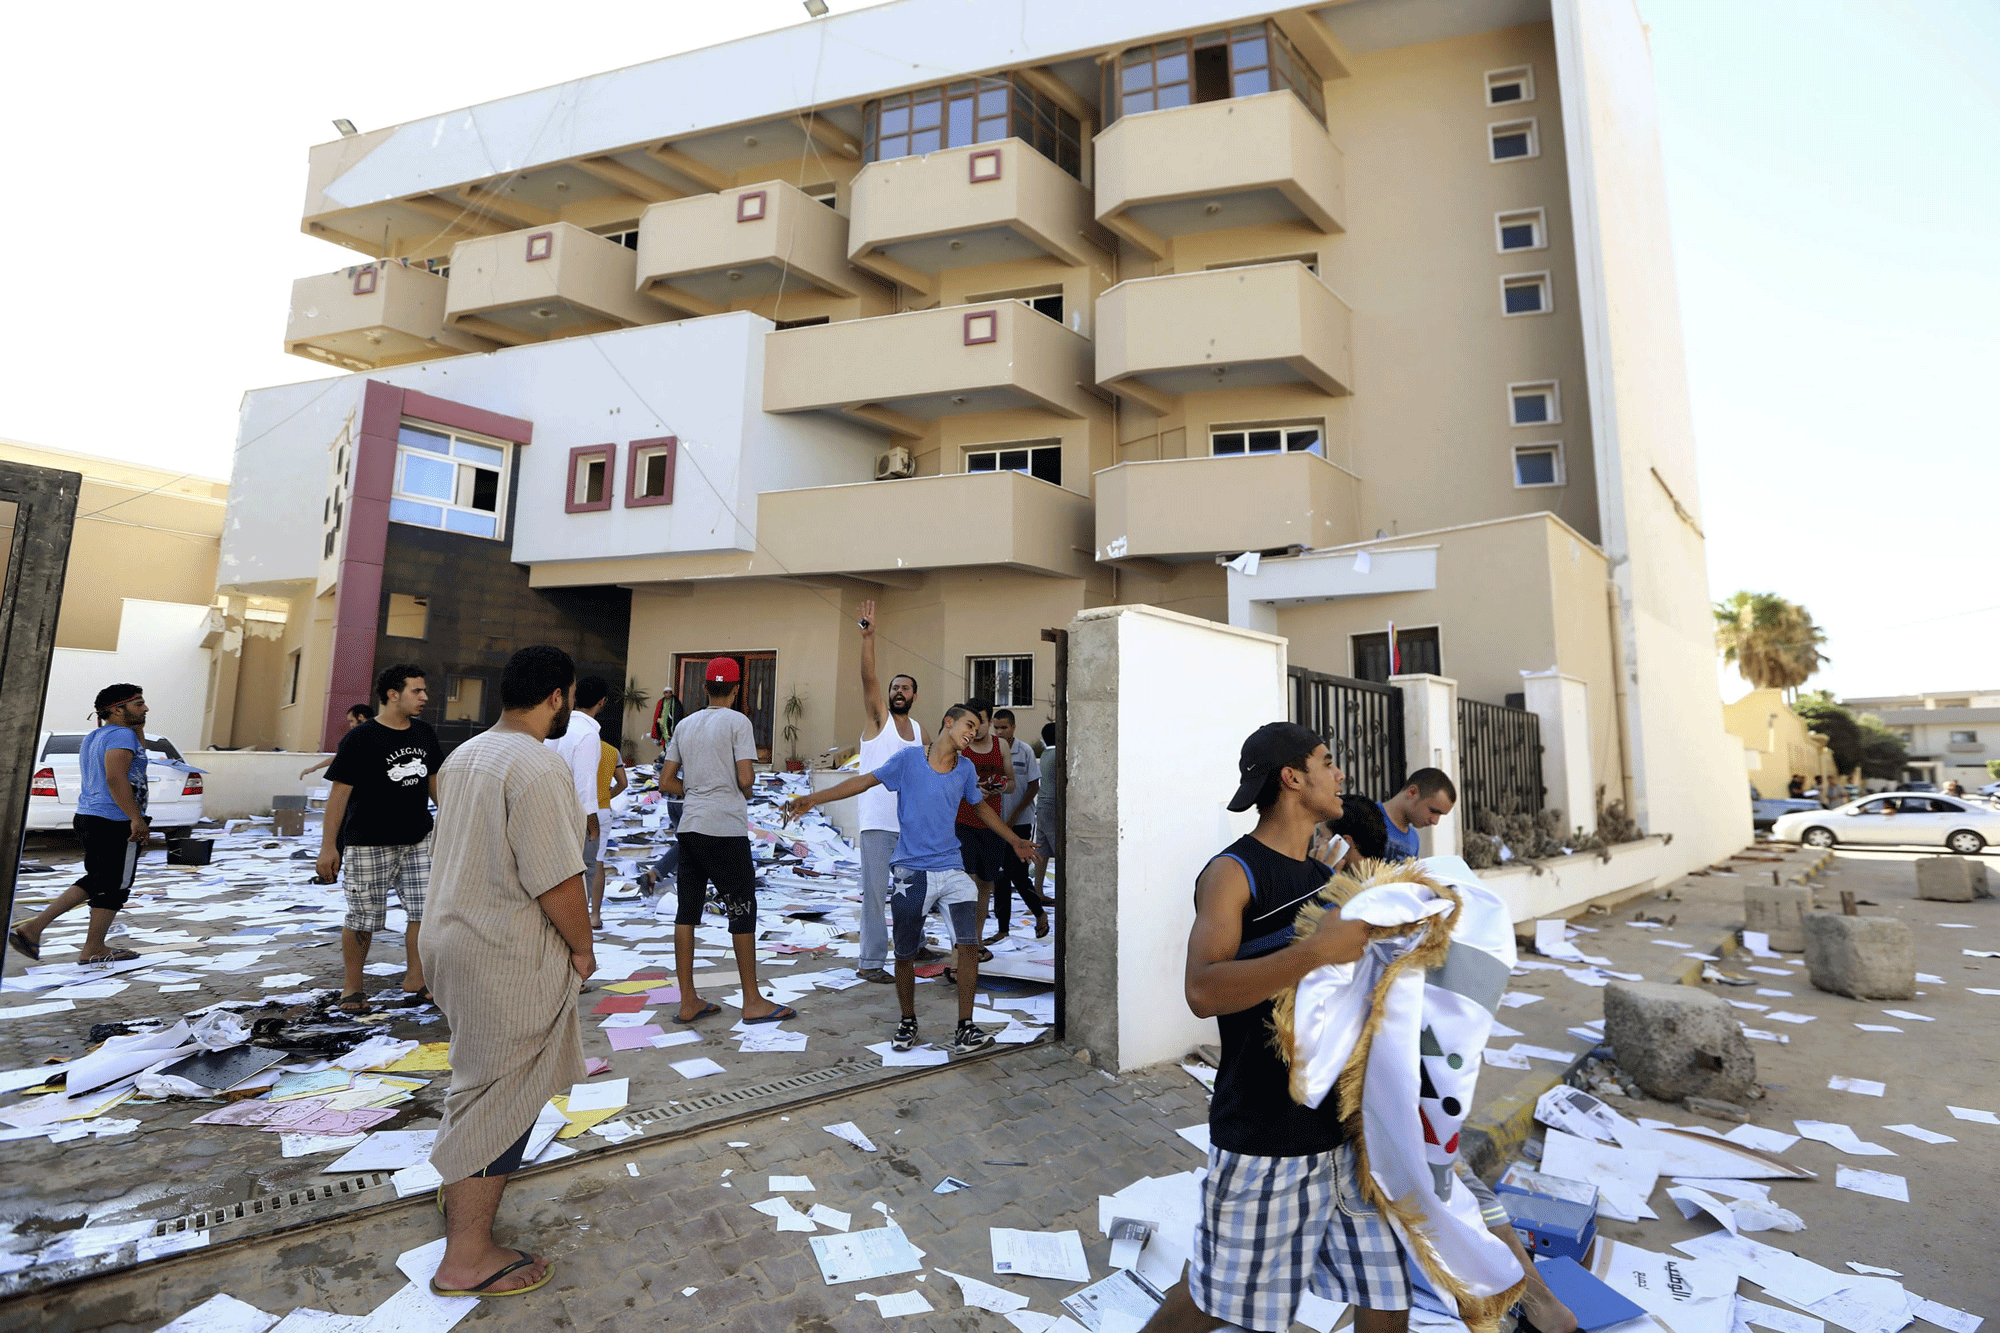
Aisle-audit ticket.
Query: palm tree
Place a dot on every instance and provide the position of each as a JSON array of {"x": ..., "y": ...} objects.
[{"x": 1773, "y": 643}]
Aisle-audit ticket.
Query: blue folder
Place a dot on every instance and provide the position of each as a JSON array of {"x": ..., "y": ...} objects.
[{"x": 1594, "y": 1304}]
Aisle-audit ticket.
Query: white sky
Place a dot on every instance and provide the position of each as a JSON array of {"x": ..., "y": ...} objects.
[{"x": 1832, "y": 166}]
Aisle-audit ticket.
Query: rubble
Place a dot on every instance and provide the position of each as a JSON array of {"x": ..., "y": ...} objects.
[
  {"x": 1951, "y": 879},
  {"x": 1864, "y": 957},
  {"x": 1676, "y": 1041}
]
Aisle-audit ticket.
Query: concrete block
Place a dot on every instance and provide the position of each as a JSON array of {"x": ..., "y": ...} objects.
[
  {"x": 1866, "y": 957},
  {"x": 1951, "y": 879},
  {"x": 1678, "y": 1041},
  {"x": 1779, "y": 910}
]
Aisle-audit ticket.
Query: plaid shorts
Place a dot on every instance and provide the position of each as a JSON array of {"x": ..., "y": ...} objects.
[
  {"x": 1274, "y": 1227},
  {"x": 368, "y": 873}
]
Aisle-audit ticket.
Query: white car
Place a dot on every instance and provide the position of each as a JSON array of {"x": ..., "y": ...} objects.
[
  {"x": 1895, "y": 819},
  {"x": 173, "y": 801}
]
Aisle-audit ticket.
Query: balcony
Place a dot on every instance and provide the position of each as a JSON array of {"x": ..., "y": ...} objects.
[
  {"x": 1178, "y": 508},
  {"x": 1243, "y": 162},
  {"x": 897, "y": 372},
  {"x": 962, "y": 518},
  {"x": 702, "y": 254},
  {"x": 915, "y": 217},
  {"x": 557, "y": 281},
  {"x": 373, "y": 315},
  {"x": 1231, "y": 328}
]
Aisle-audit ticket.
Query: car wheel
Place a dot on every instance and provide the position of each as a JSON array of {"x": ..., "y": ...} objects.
[
  {"x": 1817, "y": 837},
  {"x": 1966, "y": 843}
]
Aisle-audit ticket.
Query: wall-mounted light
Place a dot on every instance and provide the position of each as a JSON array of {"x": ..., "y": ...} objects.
[
  {"x": 346, "y": 128},
  {"x": 816, "y": 8}
]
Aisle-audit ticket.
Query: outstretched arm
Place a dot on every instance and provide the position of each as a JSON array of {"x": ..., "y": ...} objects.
[
  {"x": 854, "y": 786},
  {"x": 1022, "y": 847},
  {"x": 871, "y": 688}
]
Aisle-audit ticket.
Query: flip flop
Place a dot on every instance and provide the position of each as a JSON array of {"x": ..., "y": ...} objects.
[
  {"x": 20, "y": 944},
  {"x": 110, "y": 956},
  {"x": 481, "y": 1290},
  {"x": 706, "y": 1010},
  {"x": 354, "y": 1004},
  {"x": 985, "y": 955},
  {"x": 418, "y": 998},
  {"x": 778, "y": 1015}
]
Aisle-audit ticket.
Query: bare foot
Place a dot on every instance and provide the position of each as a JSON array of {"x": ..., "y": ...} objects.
[
  {"x": 597, "y": 923},
  {"x": 478, "y": 1270}
]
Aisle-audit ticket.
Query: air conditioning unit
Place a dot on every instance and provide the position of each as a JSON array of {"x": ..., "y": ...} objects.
[{"x": 897, "y": 462}]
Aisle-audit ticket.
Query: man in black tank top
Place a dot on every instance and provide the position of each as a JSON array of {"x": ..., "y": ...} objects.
[{"x": 1281, "y": 1212}]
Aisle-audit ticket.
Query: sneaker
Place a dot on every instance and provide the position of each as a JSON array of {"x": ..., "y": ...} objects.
[
  {"x": 906, "y": 1035},
  {"x": 877, "y": 975},
  {"x": 970, "y": 1037}
]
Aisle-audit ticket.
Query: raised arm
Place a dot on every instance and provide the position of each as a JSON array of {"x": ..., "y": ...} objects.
[
  {"x": 854, "y": 786},
  {"x": 1217, "y": 981},
  {"x": 871, "y": 689}
]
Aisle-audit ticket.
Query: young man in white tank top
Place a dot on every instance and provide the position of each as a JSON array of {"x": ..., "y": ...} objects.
[{"x": 889, "y": 728}]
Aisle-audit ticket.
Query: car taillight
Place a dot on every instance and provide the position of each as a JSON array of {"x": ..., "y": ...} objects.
[
  {"x": 43, "y": 783},
  {"x": 192, "y": 787}
]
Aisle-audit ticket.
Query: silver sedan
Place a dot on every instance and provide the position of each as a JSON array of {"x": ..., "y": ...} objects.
[{"x": 1895, "y": 819}]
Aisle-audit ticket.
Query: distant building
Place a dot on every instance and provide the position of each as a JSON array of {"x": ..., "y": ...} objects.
[
  {"x": 1777, "y": 743},
  {"x": 1950, "y": 735}
]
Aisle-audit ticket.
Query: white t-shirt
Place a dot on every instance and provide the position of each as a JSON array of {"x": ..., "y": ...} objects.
[
  {"x": 580, "y": 747},
  {"x": 707, "y": 746},
  {"x": 877, "y": 805},
  {"x": 1026, "y": 769}
]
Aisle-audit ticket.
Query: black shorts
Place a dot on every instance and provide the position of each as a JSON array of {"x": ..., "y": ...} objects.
[
  {"x": 985, "y": 853},
  {"x": 508, "y": 1162},
  {"x": 110, "y": 858},
  {"x": 726, "y": 862}
]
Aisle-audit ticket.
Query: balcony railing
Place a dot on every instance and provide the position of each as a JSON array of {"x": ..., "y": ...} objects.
[
  {"x": 964, "y": 518},
  {"x": 702, "y": 254},
  {"x": 372, "y": 315},
  {"x": 547, "y": 282},
  {"x": 1194, "y": 507},
  {"x": 1243, "y": 162},
  {"x": 1158, "y": 338},
  {"x": 897, "y": 372}
]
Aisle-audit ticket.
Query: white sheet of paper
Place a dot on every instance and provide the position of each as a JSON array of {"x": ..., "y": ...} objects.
[
  {"x": 423, "y": 1178},
  {"x": 1948, "y": 1317},
  {"x": 1763, "y": 1140},
  {"x": 830, "y": 1217},
  {"x": 307, "y": 1320},
  {"x": 1879, "y": 1183},
  {"x": 386, "y": 1150},
  {"x": 699, "y": 1067},
  {"x": 1197, "y": 1136},
  {"x": 1922, "y": 1135},
  {"x": 1624, "y": 1178},
  {"x": 791, "y": 1185},
  {"x": 221, "y": 1314},
  {"x": 1054, "y": 1254},
  {"x": 610, "y": 1095},
  {"x": 685, "y": 1037},
  {"x": 414, "y": 1310},
  {"x": 1867, "y": 1087},
  {"x": 1841, "y": 1137},
  {"x": 922, "y": 1055},
  {"x": 1551, "y": 941},
  {"x": 1978, "y": 1117},
  {"x": 1770, "y": 1316},
  {"x": 848, "y": 1132},
  {"x": 1878, "y": 1027},
  {"x": 1909, "y": 1016},
  {"x": 1496, "y": 1059},
  {"x": 1515, "y": 999},
  {"x": 858, "y": 1256},
  {"x": 984, "y": 1295}
]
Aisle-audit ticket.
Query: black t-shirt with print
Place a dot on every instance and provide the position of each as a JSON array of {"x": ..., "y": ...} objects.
[{"x": 390, "y": 772}]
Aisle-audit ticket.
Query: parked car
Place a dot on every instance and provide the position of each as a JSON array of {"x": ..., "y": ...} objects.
[
  {"x": 173, "y": 801},
  {"x": 1917, "y": 786},
  {"x": 1765, "y": 810},
  {"x": 1895, "y": 819}
]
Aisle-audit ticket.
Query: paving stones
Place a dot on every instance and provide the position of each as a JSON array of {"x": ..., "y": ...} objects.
[
  {"x": 1678, "y": 1041},
  {"x": 1779, "y": 911},
  {"x": 1951, "y": 879},
  {"x": 1866, "y": 957}
]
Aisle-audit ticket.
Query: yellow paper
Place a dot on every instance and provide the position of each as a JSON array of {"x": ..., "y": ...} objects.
[
  {"x": 634, "y": 987},
  {"x": 579, "y": 1121},
  {"x": 432, "y": 1055}
]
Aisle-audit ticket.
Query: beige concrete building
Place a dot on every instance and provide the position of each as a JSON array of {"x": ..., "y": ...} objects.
[
  {"x": 1951, "y": 735},
  {"x": 1777, "y": 743},
  {"x": 1378, "y": 291}
]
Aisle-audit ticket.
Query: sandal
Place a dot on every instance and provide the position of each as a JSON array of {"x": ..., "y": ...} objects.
[
  {"x": 19, "y": 943},
  {"x": 418, "y": 998},
  {"x": 481, "y": 1290},
  {"x": 353, "y": 1003},
  {"x": 985, "y": 955},
  {"x": 1041, "y": 926},
  {"x": 778, "y": 1015},
  {"x": 109, "y": 956},
  {"x": 706, "y": 1010},
  {"x": 995, "y": 939}
]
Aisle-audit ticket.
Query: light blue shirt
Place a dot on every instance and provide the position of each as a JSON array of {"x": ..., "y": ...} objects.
[
  {"x": 96, "y": 795},
  {"x": 927, "y": 807},
  {"x": 1403, "y": 844}
]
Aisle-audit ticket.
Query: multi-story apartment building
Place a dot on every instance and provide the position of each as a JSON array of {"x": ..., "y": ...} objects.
[
  {"x": 992, "y": 313},
  {"x": 1951, "y": 735}
]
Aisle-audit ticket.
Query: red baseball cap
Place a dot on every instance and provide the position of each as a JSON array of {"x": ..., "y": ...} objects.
[{"x": 722, "y": 670}]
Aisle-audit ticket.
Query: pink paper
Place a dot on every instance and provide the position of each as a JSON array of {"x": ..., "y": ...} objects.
[
  {"x": 594, "y": 1065},
  {"x": 264, "y": 1115},
  {"x": 664, "y": 995},
  {"x": 337, "y": 1122},
  {"x": 626, "y": 1039}
]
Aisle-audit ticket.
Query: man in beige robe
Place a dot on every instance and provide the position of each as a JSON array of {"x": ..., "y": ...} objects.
[{"x": 506, "y": 940}]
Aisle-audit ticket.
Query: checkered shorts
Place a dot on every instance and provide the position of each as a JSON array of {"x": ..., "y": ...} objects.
[
  {"x": 1274, "y": 1227},
  {"x": 368, "y": 873}
]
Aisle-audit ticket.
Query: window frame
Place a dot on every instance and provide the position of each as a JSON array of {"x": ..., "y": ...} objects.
[
  {"x": 1526, "y": 124},
  {"x": 1554, "y": 395},
  {"x": 451, "y": 681},
  {"x": 389, "y": 616},
  {"x": 1014, "y": 688},
  {"x": 1542, "y": 281},
  {"x": 1554, "y": 447},
  {"x": 1963, "y": 738},
  {"x": 1433, "y": 634},
  {"x": 1024, "y": 113},
  {"x": 503, "y": 485},
  {"x": 1284, "y": 70},
  {"x": 636, "y": 455},
  {"x": 1030, "y": 447},
  {"x": 1500, "y": 78},
  {"x": 297, "y": 662},
  {"x": 1537, "y": 217},
  {"x": 1284, "y": 428},
  {"x": 579, "y": 457}
]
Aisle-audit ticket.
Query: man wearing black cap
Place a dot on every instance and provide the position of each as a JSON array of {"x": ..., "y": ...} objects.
[{"x": 1281, "y": 1209}]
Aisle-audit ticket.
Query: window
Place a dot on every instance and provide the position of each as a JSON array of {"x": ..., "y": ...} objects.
[
  {"x": 1244, "y": 440},
  {"x": 1310, "y": 260},
  {"x": 828, "y": 194},
  {"x": 1526, "y": 229},
  {"x": 1243, "y": 61},
  {"x": 1534, "y": 404},
  {"x": 1037, "y": 460},
  {"x": 970, "y": 111},
  {"x": 1008, "y": 681},
  {"x": 1525, "y": 294},
  {"x": 810, "y": 321},
  {"x": 756, "y": 698},
  {"x": 650, "y": 472},
  {"x": 629, "y": 238},
  {"x": 450, "y": 481},
  {"x": 1538, "y": 465},
  {"x": 1513, "y": 139},
  {"x": 1416, "y": 654},
  {"x": 1965, "y": 738},
  {"x": 1504, "y": 86},
  {"x": 408, "y": 618},
  {"x": 589, "y": 479},
  {"x": 292, "y": 669},
  {"x": 464, "y": 699}
]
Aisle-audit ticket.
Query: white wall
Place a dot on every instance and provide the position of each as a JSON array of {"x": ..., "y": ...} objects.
[
  {"x": 273, "y": 530},
  {"x": 159, "y": 650},
  {"x": 1176, "y": 773},
  {"x": 240, "y": 783}
]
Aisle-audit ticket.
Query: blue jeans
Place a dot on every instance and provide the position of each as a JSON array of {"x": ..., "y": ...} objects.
[{"x": 878, "y": 848}]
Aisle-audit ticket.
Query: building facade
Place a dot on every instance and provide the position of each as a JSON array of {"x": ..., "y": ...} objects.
[
  {"x": 1951, "y": 736},
  {"x": 1777, "y": 744},
  {"x": 1111, "y": 300}
]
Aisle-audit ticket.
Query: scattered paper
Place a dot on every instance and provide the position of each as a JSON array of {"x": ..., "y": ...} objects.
[
  {"x": 1841, "y": 1137},
  {"x": 848, "y": 1132},
  {"x": 1922, "y": 1135},
  {"x": 1866, "y": 1087},
  {"x": 1909, "y": 1016},
  {"x": 699, "y": 1067},
  {"x": 221, "y": 1314},
  {"x": 1980, "y": 1117},
  {"x": 858, "y": 1256},
  {"x": 899, "y": 1303},
  {"x": 1056, "y": 1254},
  {"x": 1878, "y": 1183},
  {"x": 791, "y": 1185},
  {"x": 984, "y": 1295},
  {"x": 610, "y": 1095},
  {"x": 1764, "y": 1140},
  {"x": 830, "y": 1217}
]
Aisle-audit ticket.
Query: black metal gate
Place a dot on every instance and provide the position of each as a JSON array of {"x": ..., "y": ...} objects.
[
  {"x": 1361, "y": 722},
  {"x": 1499, "y": 761}
]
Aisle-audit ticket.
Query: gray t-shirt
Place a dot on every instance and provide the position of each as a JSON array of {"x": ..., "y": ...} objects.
[
  {"x": 1045, "y": 795},
  {"x": 707, "y": 745}
]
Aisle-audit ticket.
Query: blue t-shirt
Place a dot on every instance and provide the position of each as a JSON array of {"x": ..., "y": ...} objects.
[
  {"x": 96, "y": 796},
  {"x": 1402, "y": 842},
  {"x": 927, "y": 807}
]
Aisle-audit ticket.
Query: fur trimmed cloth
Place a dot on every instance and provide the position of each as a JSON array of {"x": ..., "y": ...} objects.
[{"x": 1398, "y": 1037}]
